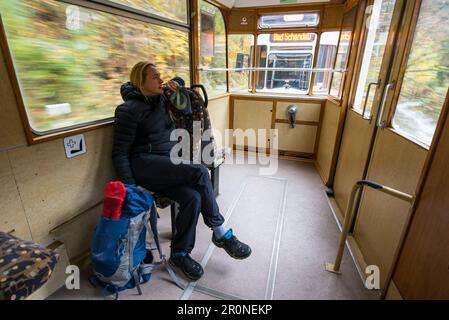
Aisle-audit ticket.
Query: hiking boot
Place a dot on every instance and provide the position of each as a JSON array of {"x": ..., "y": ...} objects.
[
  {"x": 192, "y": 269},
  {"x": 234, "y": 247}
]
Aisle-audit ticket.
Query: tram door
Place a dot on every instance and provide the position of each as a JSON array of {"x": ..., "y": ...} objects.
[{"x": 395, "y": 110}]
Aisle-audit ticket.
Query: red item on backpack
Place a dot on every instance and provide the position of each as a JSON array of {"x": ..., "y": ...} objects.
[{"x": 114, "y": 196}]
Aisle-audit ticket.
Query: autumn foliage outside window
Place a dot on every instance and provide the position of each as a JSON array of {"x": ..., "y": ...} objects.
[{"x": 70, "y": 60}]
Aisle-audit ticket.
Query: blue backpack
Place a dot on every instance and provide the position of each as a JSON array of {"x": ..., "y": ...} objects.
[{"x": 122, "y": 249}]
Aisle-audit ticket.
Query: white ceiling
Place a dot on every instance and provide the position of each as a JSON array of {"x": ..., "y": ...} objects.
[{"x": 255, "y": 3}]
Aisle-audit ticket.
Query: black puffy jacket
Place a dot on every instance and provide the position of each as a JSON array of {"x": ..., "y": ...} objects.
[{"x": 142, "y": 125}]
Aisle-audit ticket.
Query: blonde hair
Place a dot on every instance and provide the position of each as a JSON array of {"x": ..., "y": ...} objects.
[{"x": 138, "y": 74}]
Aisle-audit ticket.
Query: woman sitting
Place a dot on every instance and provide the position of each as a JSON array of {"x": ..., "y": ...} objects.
[{"x": 141, "y": 156}]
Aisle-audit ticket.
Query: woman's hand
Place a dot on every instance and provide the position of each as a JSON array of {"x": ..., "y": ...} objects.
[{"x": 172, "y": 85}]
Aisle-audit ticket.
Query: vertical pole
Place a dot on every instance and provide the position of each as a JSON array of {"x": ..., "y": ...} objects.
[
  {"x": 335, "y": 268},
  {"x": 194, "y": 23}
]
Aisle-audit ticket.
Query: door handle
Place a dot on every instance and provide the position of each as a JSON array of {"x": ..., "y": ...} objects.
[
  {"x": 380, "y": 122},
  {"x": 366, "y": 100}
]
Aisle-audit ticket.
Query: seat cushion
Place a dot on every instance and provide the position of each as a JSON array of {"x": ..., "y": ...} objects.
[
  {"x": 161, "y": 200},
  {"x": 24, "y": 267}
]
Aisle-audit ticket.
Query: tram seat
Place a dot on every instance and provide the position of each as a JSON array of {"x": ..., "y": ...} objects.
[
  {"x": 199, "y": 113},
  {"x": 25, "y": 266}
]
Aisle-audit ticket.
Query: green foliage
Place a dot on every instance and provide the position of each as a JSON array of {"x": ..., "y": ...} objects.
[
  {"x": 69, "y": 54},
  {"x": 426, "y": 79},
  {"x": 173, "y": 9},
  {"x": 215, "y": 82}
]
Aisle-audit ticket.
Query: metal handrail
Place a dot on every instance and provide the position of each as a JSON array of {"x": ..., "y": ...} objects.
[
  {"x": 380, "y": 122},
  {"x": 274, "y": 69},
  {"x": 366, "y": 100},
  {"x": 349, "y": 217}
]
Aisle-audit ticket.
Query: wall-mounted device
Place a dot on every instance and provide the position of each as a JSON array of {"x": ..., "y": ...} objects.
[{"x": 291, "y": 114}]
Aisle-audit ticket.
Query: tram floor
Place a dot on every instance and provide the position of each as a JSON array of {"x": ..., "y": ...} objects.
[{"x": 284, "y": 217}]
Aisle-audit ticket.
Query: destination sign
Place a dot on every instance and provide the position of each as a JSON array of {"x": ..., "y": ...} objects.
[{"x": 292, "y": 37}]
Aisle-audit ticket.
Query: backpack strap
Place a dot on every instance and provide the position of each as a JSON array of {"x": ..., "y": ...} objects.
[
  {"x": 136, "y": 277},
  {"x": 134, "y": 271}
]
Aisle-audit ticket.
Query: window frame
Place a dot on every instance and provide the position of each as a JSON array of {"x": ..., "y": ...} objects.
[
  {"x": 317, "y": 52},
  {"x": 264, "y": 29},
  {"x": 404, "y": 59},
  {"x": 34, "y": 136},
  {"x": 317, "y": 33},
  {"x": 359, "y": 62},
  {"x": 141, "y": 12},
  {"x": 342, "y": 87},
  {"x": 250, "y": 58},
  {"x": 197, "y": 65}
]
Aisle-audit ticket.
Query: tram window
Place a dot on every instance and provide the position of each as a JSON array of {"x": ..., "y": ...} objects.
[
  {"x": 376, "y": 40},
  {"x": 326, "y": 60},
  {"x": 261, "y": 62},
  {"x": 240, "y": 46},
  {"x": 286, "y": 50},
  {"x": 295, "y": 20},
  {"x": 426, "y": 79},
  {"x": 173, "y": 9},
  {"x": 70, "y": 61},
  {"x": 212, "y": 49},
  {"x": 298, "y": 80},
  {"x": 340, "y": 64}
]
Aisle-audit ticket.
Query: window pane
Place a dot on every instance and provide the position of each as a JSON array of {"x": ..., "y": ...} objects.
[
  {"x": 240, "y": 46},
  {"x": 212, "y": 48},
  {"x": 326, "y": 60},
  {"x": 342, "y": 52},
  {"x": 376, "y": 40},
  {"x": 173, "y": 9},
  {"x": 286, "y": 51},
  {"x": 289, "y": 20},
  {"x": 340, "y": 63},
  {"x": 70, "y": 68},
  {"x": 426, "y": 79}
]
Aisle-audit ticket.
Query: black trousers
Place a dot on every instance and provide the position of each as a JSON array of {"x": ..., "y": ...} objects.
[{"x": 187, "y": 184}]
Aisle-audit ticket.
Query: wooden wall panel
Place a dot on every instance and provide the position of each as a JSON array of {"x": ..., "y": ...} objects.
[
  {"x": 423, "y": 268},
  {"x": 241, "y": 21},
  {"x": 381, "y": 217},
  {"x": 332, "y": 18},
  {"x": 327, "y": 140},
  {"x": 12, "y": 215},
  {"x": 11, "y": 128},
  {"x": 219, "y": 111},
  {"x": 352, "y": 157},
  {"x": 53, "y": 188},
  {"x": 298, "y": 139},
  {"x": 306, "y": 111},
  {"x": 393, "y": 293},
  {"x": 77, "y": 235},
  {"x": 255, "y": 115}
]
